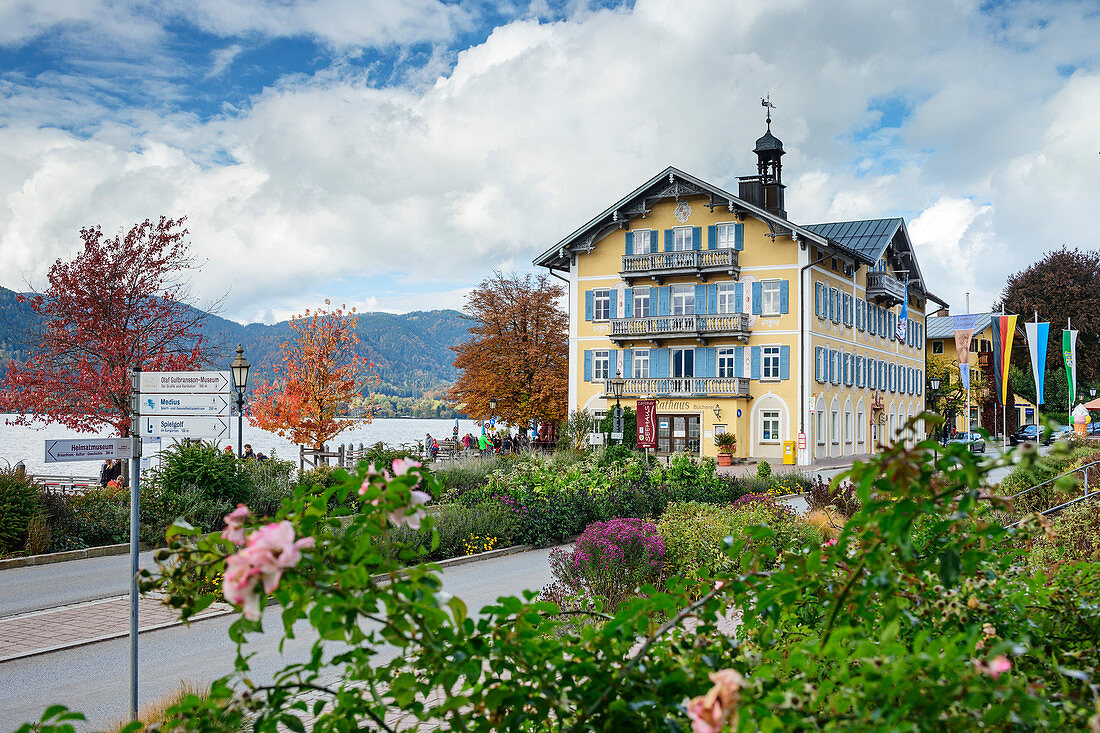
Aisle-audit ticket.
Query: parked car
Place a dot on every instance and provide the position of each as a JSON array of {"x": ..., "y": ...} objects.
[
  {"x": 1028, "y": 434},
  {"x": 974, "y": 440},
  {"x": 1093, "y": 429}
]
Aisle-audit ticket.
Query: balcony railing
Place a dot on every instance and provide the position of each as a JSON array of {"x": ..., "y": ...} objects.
[
  {"x": 732, "y": 325},
  {"x": 882, "y": 287},
  {"x": 689, "y": 262},
  {"x": 684, "y": 386}
]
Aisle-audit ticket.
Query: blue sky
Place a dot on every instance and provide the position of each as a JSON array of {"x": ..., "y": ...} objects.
[{"x": 388, "y": 153}]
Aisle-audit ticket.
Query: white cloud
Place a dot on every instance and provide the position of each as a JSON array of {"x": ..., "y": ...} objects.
[{"x": 544, "y": 124}]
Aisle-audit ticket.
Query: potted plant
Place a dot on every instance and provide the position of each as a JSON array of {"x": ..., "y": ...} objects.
[{"x": 727, "y": 446}]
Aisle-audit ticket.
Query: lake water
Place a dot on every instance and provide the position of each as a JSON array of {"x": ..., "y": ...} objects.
[{"x": 18, "y": 443}]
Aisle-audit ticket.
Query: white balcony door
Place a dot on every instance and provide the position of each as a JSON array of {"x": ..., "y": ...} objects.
[{"x": 682, "y": 370}]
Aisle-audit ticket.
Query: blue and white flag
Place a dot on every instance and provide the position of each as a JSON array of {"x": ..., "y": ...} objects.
[
  {"x": 903, "y": 317},
  {"x": 1037, "y": 334}
]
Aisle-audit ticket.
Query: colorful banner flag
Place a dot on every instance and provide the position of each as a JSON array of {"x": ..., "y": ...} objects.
[
  {"x": 964, "y": 332},
  {"x": 1037, "y": 335},
  {"x": 647, "y": 424},
  {"x": 1069, "y": 353},
  {"x": 903, "y": 317},
  {"x": 1004, "y": 329}
]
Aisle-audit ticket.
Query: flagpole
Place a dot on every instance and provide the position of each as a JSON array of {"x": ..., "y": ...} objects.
[
  {"x": 1004, "y": 395},
  {"x": 1069, "y": 392},
  {"x": 967, "y": 423}
]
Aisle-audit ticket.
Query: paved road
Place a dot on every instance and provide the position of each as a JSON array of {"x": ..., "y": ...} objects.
[
  {"x": 37, "y": 588},
  {"x": 94, "y": 679}
]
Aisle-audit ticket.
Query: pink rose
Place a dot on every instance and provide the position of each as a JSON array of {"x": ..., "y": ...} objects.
[
  {"x": 234, "y": 524},
  {"x": 402, "y": 516},
  {"x": 401, "y": 466},
  {"x": 997, "y": 667},
  {"x": 268, "y": 551},
  {"x": 705, "y": 715},
  {"x": 830, "y": 543}
]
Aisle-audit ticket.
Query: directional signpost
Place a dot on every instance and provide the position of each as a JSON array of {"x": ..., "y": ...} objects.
[
  {"x": 86, "y": 449},
  {"x": 173, "y": 405}
]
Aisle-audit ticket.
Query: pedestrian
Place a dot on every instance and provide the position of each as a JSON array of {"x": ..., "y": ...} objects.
[
  {"x": 483, "y": 444},
  {"x": 112, "y": 473},
  {"x": 103, "y": 479},
  {"x": 248, "y": 452},
  {"x": 506, "y": 443},
  {"x": 261, "y": 457}
]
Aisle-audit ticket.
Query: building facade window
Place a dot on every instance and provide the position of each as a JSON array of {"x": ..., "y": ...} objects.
[
  {"x": 861, "y": 427},
  {"x": 644, "y": 242},
  {"x": 640, "y": 366},
  {"x": 727, "y": 297},
  {"x": 727, "y": 236},
  {"x": 641, "y": 302},
  {"x": 769, "y": 298},
  {"x": 834, "y": 426},
  {"x": 683, "y": 363},
  {"x": 727, "y": 363},
  {"x": 601, "y": 305},
  {"x": 847, "y": 426},
  {"x": 769, "y": 362},
  {"x": 601, "y": 365},
  {"x": 821, "y": 427},
  {"x": 769, "y": 426},
  {"x": 937, "y": 347},
  {"x": 681, "y": 239},
  {"x": 683, "y": 300}
]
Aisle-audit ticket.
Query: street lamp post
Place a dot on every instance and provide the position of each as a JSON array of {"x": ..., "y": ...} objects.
[
  {"x": 933, "y": 393},
  {"x": 617, "y": 385},
  {"x": 239, "y": 367}
]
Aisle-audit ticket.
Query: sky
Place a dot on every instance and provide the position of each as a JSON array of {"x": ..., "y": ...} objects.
[{"x": 388, "y": 154}]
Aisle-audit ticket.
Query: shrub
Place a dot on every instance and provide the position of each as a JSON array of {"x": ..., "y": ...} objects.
[
  {"x": 827, "y": 522},
  {"x": 458, "y": 528},
  {"x": 822, "y": 494},
  {"x": 217, "y": 474},
  {"x": 18, "y": 504},
  {"x": 101, "y": 516},
  {"x": 469, "y": 475},
  {"x": 268, "y": 483},
  {"x": 1076, "y": 536},
  {"x": 764, "y": 469},
  {"x": 39, "y": 534},
  {"x": 610, "y": 560}
]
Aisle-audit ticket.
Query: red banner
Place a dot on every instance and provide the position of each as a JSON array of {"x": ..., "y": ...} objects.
[{"x": 647, "y": 424}]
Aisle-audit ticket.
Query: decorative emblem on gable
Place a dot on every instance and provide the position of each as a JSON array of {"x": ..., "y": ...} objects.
[{"x": 682, "y": 212}]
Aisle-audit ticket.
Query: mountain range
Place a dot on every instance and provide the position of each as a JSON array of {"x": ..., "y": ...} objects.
[{"x": 411, "y": 351}]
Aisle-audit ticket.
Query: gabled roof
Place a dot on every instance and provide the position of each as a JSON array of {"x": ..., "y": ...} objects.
[
  {"x": 669, "y": 183},
  {"x": 869, "y": 237},
  {"x": 943, "y": 327}
]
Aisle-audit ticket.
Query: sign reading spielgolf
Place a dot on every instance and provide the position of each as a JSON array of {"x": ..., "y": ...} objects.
[
  {"x": 647, "y": 424},
  {"x": 185, "y": 382},
  {"x": 211, "y": 428},
  {"x": 86, "y": 449},
  {"x": 185, "y": 404}
]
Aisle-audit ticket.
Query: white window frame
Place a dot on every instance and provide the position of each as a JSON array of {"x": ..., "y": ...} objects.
[
  {"x": 639, "y": 363},
  {"x": 727, "y": 297},
  {"x": 861, "y": 427},
  {"x": 601, "y": 362},
  {"x": 726, "y": 362},
  {"x": 681, "y": 239},
  {"x": 848, "y": 432},
  {"x": 601, "y": 296},
  {"x": 672, "y": 361},
  {"x": 642, "y": 295},
  {"x": 821, "y": 437},
  {"x": 685, "y": 294},
  {"x": 648, "y": 236},
  {"x": 769, "y": 297},
  {"x": 727, "y": 235},
  {"x": 834, "y": 426},
  {"x": 769, "y": 417},
  {"x": 770, "y": 363}
]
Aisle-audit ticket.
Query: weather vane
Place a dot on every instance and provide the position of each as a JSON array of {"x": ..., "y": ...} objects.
[{"x": 766, "y": 103}]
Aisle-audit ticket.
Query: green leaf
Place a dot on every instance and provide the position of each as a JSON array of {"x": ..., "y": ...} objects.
[{"x": 950, "y": 567}]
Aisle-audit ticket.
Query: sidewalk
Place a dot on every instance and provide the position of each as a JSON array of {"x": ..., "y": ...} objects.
[{"x": 39, "y": 632}]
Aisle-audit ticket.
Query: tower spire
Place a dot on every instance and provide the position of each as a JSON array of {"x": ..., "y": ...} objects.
[{"x": 766, "y": 103}]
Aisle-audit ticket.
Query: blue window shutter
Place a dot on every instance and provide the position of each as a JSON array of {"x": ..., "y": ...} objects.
[
  {"x": 832, "y": 304},
  {"x": 589, "y": 304},
  {"x": 664, "y": 301},
  {"x": 696, "y": 237},
  {"x": 739, "y": 361},
  {"x": 739, "y": 236},
  {"x": 738, "y": 297},
  {"x": 817, "y": 299},
  {"x": 817, "y": 363},
  {"x": 668, "y": 240},
  {"x": 627, "y": 365},
  {"x": 588, "y": 365},
  {"x": 784, "y": 297},
  {"x": 784, "y": 362},
  {"x": 705, "y": 358},
  {"x": 613, "y": 307},
  {"x": 830, "y": 363},
  {"x": 712, "y": 237},
  {"x": 628, "y": 303},
  {"x": 757, "y": 298},
  {"x": 700, "y": 298},
  {"x": 712, "y": 298},
  {"x": 755, "y": 357},
  {"x": 630, "y": 243},
  {"x": 659, "y": 359}
]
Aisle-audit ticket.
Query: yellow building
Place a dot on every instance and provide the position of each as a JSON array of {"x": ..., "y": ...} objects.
[
  {"x": 941, "y": 342},
  {"x": 736, "y": 319}
]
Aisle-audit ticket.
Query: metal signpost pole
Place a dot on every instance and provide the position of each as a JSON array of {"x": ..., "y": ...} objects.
[{"x": 135, "y": 518}]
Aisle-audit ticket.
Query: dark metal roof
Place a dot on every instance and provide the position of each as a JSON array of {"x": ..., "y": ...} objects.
[
  {"x": 768, "y": 142},
  {"x": 943, "y": 327},
  {"x": 869, "y": 237}
]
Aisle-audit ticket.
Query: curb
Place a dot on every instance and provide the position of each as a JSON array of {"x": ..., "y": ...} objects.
[{"x": 88, "y": 552}]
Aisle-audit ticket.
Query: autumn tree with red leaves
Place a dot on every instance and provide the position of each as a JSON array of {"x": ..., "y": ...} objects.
[
  {"x": 519, "y": 352},
  {"x": 118, "y": 304},
  {"x": 320, "y": 377}
]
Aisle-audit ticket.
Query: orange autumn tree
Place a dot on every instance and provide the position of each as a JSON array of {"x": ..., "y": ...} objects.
[
  {"x": 519, "y": 352},
  {"x": 321, "y": 375}
]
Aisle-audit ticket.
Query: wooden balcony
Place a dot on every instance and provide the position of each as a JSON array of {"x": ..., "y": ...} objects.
[
  {"x": 701, "y": 263},
  {"x": 684, "y": 387},
  {"x": 884, "y": 289},
  {"x": 701, "y": 327}
]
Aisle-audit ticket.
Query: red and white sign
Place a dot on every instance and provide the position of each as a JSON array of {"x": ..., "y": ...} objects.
[
  {"x": 647, "y": 424},
  {"x": 801, "y": 441}
]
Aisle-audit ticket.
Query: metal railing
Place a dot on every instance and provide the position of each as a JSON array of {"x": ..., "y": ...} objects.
[
  {"x": 684, "y": 386},
  {"x": 884, "y": 284},
  {"x": 697, "y": 259},
  {"x": 726, "y": 324},
  {"x": 1060, "y": 507}
]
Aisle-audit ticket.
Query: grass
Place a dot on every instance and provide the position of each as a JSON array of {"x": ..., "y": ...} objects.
[{"x": 154, "y": 712}]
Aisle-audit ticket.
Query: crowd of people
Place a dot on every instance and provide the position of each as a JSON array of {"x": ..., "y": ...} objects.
[{"x": 487, "y": 444}]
